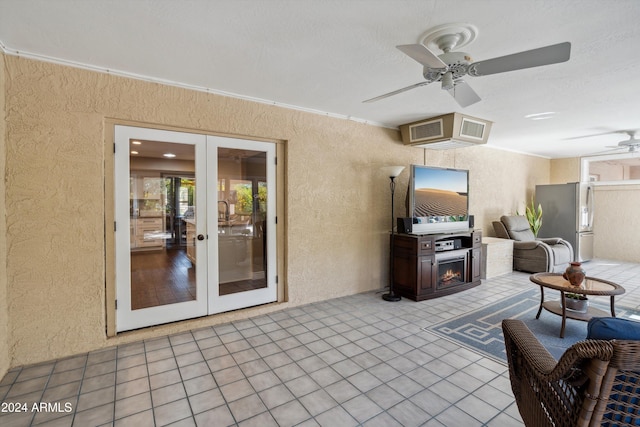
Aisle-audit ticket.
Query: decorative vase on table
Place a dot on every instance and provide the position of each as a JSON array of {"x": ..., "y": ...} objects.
[{"x": 575, "y": 274}]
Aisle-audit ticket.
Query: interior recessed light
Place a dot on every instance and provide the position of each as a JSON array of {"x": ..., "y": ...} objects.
[
  {"x": 170, "y": 155},
  {"x": 136, "y": 142},
  {"x": 134, "y": 152}
]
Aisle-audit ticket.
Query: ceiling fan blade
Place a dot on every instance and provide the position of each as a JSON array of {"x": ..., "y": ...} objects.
[
  {"x": 528, "y": 59},
  {"x": 423, "y": 55},
  {"x": 629, "y": 142},
  {"x": 612, "y": 150},
  {"x": 591, "y": 135},
  {"x": 463, "y": 94},
  {"x": 395, "y": 92}
]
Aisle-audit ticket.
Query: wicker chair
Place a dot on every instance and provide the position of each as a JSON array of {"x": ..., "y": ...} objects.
[{"x": 595, "y": 382}]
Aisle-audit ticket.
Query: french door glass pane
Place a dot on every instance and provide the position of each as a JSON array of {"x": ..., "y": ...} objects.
[
  {"x": 162, "y": 206},
  {"x": 241, "y": 220}
]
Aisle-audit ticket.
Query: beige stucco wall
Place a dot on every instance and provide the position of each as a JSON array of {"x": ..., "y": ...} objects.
[
  {"x": 616, "y": 221},
  {"x": 565, "y": 170},
  {"x": 4, "y": 314},
  {"x": 337, "y": 201}
]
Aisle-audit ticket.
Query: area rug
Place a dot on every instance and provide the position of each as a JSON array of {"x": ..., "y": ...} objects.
[{"x": 481, "y": 330}]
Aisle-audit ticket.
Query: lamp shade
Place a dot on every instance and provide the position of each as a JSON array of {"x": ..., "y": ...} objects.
[{"x": 392, "y": 171}]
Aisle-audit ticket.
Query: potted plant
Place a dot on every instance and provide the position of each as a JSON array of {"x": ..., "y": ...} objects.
[
  {"x": 576, "y": 302},
  {"x": 534, "y": 216}
]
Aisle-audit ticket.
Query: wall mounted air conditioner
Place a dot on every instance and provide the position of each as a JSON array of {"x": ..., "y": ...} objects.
[{"x": 448, "y": 131}]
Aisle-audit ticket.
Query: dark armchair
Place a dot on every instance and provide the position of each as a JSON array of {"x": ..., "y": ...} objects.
[
  {"x": 532, "y": 255},
  {"x": 595, "y": 382}
]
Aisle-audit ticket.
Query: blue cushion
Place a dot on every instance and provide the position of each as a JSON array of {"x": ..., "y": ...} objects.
[{"x": 613, "y": 328}]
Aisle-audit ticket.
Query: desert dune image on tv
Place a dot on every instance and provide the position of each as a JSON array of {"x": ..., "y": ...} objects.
[{"x": 441, "y": 193}]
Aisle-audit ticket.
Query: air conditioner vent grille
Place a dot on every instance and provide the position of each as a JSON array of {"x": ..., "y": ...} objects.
[
  {"x": 426, "y": 130},
  {"x": 448, "y": 131},
  {"x": 472, "y": 129}
]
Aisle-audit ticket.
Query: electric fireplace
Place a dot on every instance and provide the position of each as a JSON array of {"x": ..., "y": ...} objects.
[{"x": 451, "y": 269}]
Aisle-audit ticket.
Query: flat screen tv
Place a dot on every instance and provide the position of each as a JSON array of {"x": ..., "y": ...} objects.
[{"x": 438, "y": 200}]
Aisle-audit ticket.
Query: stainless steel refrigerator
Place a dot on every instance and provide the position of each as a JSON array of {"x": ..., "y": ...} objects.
[{"x": 567, "y": 212}]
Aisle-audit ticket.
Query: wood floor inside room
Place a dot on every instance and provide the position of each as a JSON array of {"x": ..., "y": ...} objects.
[
  {"x": 168, "y": 277},
  {"x": 242, "y": 286},
  {"x": 161, "y": 277}
]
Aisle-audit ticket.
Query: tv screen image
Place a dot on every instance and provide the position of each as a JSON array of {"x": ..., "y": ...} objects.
[
  {"x": 440, "y": 192},
  {"x": 439, "y": 199}
]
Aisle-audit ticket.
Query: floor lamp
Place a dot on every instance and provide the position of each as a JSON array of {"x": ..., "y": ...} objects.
[{"x": 392, "y": 172}]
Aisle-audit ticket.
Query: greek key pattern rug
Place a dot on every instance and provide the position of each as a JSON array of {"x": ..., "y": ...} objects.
[{"x": 481, "y": 330}]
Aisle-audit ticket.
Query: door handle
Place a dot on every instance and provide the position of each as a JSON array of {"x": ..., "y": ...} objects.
[{"x": 200, "y": 237}]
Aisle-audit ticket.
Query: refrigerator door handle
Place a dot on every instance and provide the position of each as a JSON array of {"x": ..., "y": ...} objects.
[{"x": 590, "y": 205}]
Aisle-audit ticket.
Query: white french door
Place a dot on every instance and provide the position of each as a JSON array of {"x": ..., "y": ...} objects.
[
  {"x": 242, "y": 247},
  {"x": 195, "y": 225}
]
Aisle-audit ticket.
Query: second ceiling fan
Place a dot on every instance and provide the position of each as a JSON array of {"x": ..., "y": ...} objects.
[
  {"x": 631, "y": 145},
  {"x": 450, "y": 67}
]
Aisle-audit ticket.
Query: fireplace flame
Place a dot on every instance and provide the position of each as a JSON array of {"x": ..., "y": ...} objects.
[{"x": 450, "y": 275}]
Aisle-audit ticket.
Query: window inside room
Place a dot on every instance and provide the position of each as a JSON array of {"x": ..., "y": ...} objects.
[{"x": 612, "y": 169}]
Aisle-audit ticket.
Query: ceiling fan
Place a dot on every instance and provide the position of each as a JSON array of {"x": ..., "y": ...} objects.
[
  {"x": 450, "y": 67},
  {"x": 632, "y": 144}
]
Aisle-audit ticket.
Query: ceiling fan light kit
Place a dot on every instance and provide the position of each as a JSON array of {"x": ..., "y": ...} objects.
[
  {"x": 451, "y": 66},
  {"x": 447, "y": 81}
]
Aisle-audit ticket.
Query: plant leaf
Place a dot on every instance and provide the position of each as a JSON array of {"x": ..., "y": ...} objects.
[{"x": 534, "y": 216}]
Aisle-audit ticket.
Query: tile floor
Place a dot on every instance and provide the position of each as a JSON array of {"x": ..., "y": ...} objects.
[{"x": 349, "y": 361}]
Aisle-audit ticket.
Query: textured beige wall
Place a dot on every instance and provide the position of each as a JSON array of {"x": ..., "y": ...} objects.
[
  {"x": 607, "y": 171},
  {"x": 616, "y": 221},
  {"x": 337, "y": 201},
  {"x": 565, "y": 170},
  {"x": 4, "y": 315}
]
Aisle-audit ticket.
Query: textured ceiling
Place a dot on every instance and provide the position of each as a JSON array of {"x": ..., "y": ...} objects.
[{"x": 328, "y": 56}]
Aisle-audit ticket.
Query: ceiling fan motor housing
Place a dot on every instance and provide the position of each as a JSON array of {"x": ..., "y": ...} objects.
[{"x": 457, "y": 64}]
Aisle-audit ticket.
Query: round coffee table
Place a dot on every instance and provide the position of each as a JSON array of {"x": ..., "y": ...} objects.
[{"x": 590, "y": 286}]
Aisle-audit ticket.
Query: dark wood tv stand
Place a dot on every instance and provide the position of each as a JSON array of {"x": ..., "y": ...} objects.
[{"x": 420, "y": 272}]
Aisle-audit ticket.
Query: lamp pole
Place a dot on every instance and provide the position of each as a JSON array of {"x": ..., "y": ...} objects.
[{"x": 392, "y": 172}]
